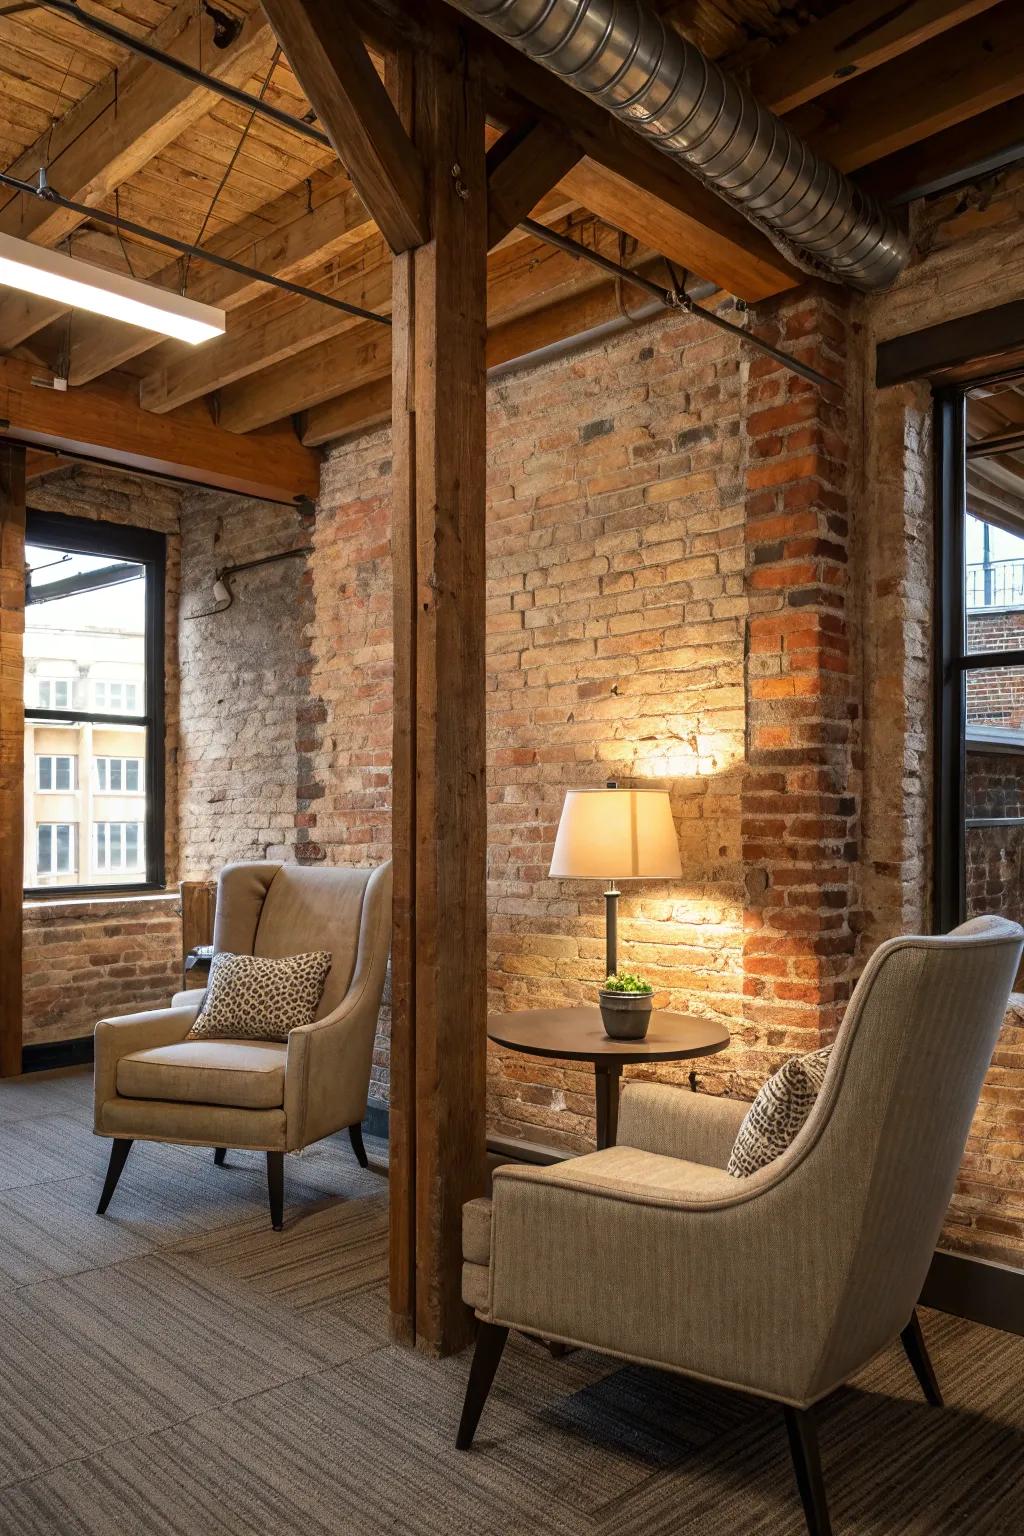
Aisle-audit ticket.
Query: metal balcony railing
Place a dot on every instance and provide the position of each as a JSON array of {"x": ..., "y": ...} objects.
[{"x": 999, "y": 584}]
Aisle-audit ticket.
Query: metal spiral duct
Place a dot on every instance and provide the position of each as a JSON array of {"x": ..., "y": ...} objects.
[{"x": 621, "y": 54}]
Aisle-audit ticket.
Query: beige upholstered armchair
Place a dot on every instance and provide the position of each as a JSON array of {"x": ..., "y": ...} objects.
[
  {"x": 785, "y": 1283},
  {"x": 153, "y": 1084}
]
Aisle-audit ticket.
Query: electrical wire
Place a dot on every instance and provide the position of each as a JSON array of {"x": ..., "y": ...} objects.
[{"x": 230, "y": 165}]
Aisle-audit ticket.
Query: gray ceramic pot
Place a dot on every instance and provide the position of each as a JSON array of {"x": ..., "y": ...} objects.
[{"x": 626, "y": 1015}]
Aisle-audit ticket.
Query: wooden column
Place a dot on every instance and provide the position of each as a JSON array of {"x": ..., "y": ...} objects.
[
  {"x": 12, "y": 750},
  {"x": 439, "y": 495}
]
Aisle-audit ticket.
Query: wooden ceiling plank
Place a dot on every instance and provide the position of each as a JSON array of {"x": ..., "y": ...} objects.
[
  {"x": 856, "y": 38},
  {"x": 104, "y": 423},
  {"x": 326, "y": 51},
  {"x": 116, "y": 130},
  {"x": 286, "y": 251},
  {"x": 975, "y": 67},
  {"x": 522, "y": 167}
]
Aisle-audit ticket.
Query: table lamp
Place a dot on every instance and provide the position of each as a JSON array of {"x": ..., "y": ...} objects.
[{"x": 615, "y": 834}]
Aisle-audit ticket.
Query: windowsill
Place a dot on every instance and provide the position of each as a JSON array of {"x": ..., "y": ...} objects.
[{"x": 98, "y": 896}]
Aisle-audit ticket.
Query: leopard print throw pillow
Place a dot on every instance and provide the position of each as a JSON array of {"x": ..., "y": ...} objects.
[
  {"x": 777, "y": 1114},
  {"x": 251, "y": 998}
]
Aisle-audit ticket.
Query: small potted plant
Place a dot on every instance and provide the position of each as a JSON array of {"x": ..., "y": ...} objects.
[{"x": 626, "y": 1003}]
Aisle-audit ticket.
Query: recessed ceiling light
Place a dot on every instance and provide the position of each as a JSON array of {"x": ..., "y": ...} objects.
[{"x": 82, "y": 285}]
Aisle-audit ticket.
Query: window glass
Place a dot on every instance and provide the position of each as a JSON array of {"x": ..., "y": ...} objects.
[{"x": 86, "y": 654}]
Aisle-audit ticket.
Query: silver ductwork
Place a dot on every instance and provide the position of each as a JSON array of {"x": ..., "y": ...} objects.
[{"x": 622, "y": 55}]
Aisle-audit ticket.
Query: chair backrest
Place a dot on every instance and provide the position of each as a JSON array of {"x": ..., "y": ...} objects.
[
  {"x": 274, "y": 909},
  {"x": 876, "y": 1163}
]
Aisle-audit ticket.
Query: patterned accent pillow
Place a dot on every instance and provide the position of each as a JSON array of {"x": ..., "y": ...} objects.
[
  {"x": 251, "y": 998},
  {"x": 777, "y": 1114}
]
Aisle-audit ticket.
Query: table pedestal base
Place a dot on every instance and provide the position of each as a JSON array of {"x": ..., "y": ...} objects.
[{"x": 607, "y": 1076}]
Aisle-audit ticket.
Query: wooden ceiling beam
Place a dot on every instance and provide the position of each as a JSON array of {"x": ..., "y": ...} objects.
[
  {"x": 966, "y": 152},
  {"x": 523, "y": 278},
  {"x": 118, "y": 126},
  {"x": 294, "y": 244},
  {"x": 522, "y": 166},
  {"x": 977, "y": 66},
  {"x": 103, "y": 422},
  {"x": 330, "y": 62},
  {"x": 856, "y": 38}
]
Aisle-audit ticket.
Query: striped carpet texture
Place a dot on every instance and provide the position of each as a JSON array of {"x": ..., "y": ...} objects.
[{"x": 178, "y": 1369}]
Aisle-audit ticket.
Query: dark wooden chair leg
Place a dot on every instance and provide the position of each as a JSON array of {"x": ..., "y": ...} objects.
[
  {"x": 219, "y": 1154},
  {"x": 803, "y": 1445},
  {"x": 355, "y": 1136},
  {"x": 490, "y": 1342},
  {"x": 917, "y": 1353},
  {"x": 275, "y": 1187},
  {"x": 119, "y": 1149}
]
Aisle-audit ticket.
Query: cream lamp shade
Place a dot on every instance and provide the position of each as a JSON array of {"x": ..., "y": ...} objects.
[{"x": 616, "y": 834}]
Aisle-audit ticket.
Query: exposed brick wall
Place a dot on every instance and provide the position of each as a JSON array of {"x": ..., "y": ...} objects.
[
  {"x": 244, "y": 682},
  {"x": 85, "y": 958},
  {"x": 801, "y": 794}
]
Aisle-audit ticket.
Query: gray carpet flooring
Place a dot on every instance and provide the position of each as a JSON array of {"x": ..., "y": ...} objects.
[{"x": 178, "y": 1369}]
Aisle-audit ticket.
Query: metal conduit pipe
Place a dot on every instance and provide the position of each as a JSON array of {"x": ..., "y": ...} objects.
[{"x": 622, "y": 55}]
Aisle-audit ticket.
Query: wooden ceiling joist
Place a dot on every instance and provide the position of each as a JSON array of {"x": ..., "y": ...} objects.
[
  {"x": 854, "y": 39},
  {"x": 104, "y": 422},
  {"x": 974, "y": 67},
  {"x": 327, "y": 53}
]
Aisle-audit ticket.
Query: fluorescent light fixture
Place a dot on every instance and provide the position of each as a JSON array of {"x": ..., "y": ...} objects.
[{"x": 81, "y": 285}]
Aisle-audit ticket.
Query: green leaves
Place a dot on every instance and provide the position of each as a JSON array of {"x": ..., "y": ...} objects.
[{"x": 625, "y": 981}]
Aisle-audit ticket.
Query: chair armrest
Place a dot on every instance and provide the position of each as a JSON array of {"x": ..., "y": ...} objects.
[
  {"x": 665, "y": 1261},
  {"x": 655, "y": 1117},
  {"x": 114, "y": 1038},
  {"x": 191, "y": 997}
]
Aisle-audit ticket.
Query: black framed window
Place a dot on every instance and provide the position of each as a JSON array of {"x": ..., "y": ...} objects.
[
  {"x": 979, "y": 833},
  {"x": 94, "y": 706}
]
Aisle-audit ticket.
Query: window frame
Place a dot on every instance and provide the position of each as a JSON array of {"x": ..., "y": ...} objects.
[
  {"x": 118, "y": 541},
  {"x": 953, "y": 661}
]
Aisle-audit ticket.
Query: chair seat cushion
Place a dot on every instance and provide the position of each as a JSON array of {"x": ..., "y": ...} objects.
[{"x": 242, "y": 1075}]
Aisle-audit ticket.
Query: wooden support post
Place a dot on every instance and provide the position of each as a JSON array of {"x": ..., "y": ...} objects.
[
  {"x": 439, "y": 497},
  {"x": 12, "y": 750}
]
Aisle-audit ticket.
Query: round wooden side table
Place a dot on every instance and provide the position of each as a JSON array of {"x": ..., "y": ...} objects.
[{"x": 577, "y": 1034}]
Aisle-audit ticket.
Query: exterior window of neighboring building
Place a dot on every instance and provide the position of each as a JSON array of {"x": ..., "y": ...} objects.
[
  {"x": 56, "y": 848},
  {"x": 115, "y": 698},
  {"x": 120, "y": 775},
  {"x": 57, "y": 773},
  {"x": 94, "y": 670},
  {"x": 980, "y": 782},
  {"x": 118, "y": 844},
  {"x": 53, "y": 692}
]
